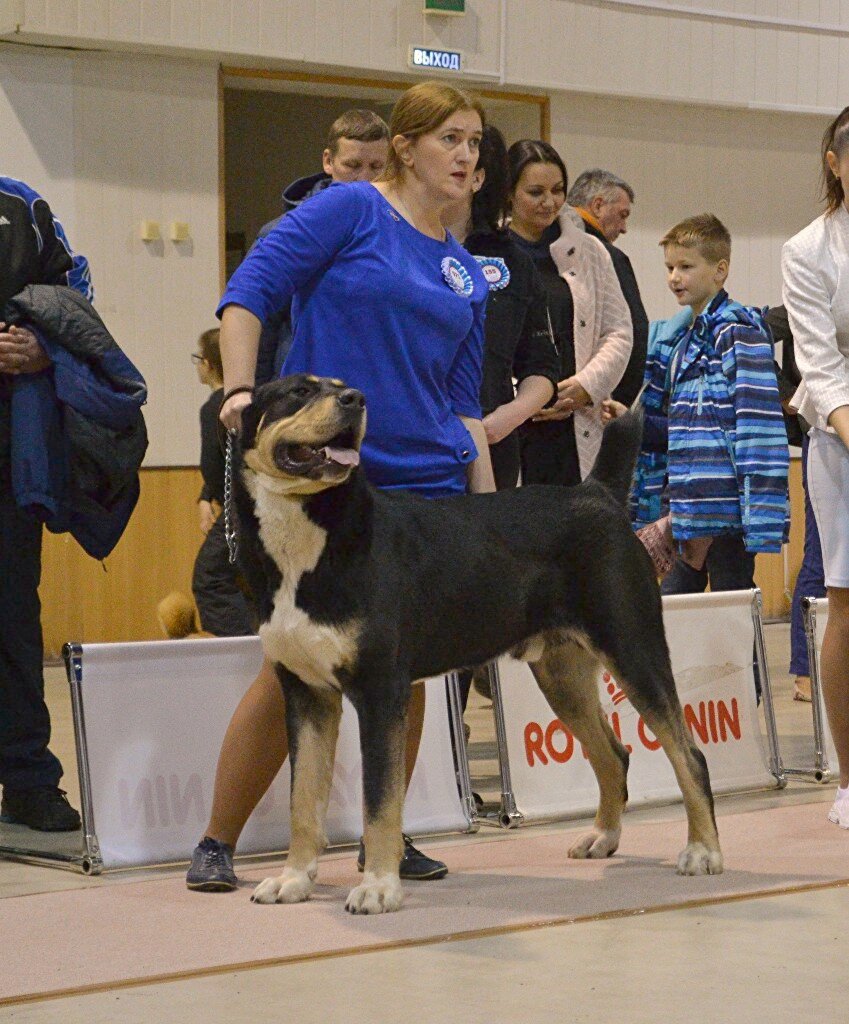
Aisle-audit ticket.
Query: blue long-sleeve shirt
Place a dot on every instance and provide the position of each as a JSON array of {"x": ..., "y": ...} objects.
[{"x": 372, "y": 307}]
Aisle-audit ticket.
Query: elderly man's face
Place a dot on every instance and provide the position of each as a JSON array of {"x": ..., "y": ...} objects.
[{"x": 613, "y": 214}]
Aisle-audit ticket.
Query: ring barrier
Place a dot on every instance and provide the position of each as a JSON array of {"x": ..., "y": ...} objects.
[
  {"x": 815, "y": 617},
  {"x": 544, "y": 772},
  {"x": 149, "y": 720}
]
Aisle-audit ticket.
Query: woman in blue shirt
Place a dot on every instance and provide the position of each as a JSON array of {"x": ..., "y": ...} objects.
[{"x": 386, "y": 300}]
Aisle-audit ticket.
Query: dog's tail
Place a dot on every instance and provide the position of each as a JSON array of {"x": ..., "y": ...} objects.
[
  {"x": 177, "y": 616},
  {"x": 617, "y": 457}
]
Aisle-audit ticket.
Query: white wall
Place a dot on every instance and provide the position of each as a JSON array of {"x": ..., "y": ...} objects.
[
  {"x": 115, "y": 138},
  {"x": 111, "y": 141},
  {"x": 790, "y": 53},
  {"x": 756, "y": 171}
]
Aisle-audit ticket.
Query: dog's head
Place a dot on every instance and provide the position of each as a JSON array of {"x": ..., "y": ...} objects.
[{"x": 304, "y": 432}]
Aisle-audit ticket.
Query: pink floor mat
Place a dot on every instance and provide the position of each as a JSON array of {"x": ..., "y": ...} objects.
[{"x": 126, "y": 931}]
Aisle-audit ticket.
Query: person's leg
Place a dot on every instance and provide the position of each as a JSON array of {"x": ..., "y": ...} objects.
[
  {"x": 834, "y": 665},
  {"x": 684, "y": 579},
  {"x": 254, "y": 749},
  {"x": 729, "y": 565},
  {"x": 223, "y": 607},
  {"x": 29, "y": 772},
  {"x": 505, "y": 460},
  {"x": 809, "y": 583}
]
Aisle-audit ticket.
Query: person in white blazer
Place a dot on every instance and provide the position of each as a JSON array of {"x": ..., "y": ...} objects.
[
  {"x": 815, "y": 268},
  {"x": 590, "y": 318}
]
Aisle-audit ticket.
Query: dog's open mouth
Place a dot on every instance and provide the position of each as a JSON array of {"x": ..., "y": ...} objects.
[{"x": 307, "y": 460}]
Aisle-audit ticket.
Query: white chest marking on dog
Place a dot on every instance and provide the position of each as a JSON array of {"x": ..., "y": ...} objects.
[{"x": 311, "y": 650}]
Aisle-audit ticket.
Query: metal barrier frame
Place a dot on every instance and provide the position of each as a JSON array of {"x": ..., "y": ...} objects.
[
  {"x": 510, "y": 815},
  {"x": 89, "y": 860},
  {"x": 821, "y": 771}
]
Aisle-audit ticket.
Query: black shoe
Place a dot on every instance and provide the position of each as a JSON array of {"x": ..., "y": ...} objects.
[
  {"x": 415, "y": 866},
  {"x": 43, "y": 808},
  {"x": 212, "y": 867}
]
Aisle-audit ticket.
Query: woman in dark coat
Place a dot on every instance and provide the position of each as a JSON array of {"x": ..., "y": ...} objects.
[{"x": 518, "y": 342}]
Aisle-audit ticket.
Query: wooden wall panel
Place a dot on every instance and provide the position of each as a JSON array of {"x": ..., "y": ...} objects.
[
  {"x": 94, "y": 602},
  {"x": 82, "y": 602}
]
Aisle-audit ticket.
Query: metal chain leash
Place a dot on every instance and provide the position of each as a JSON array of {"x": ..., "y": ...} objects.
[{"x": 231, "y": 533}]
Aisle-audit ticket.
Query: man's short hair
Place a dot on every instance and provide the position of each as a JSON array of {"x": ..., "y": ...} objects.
[
  {"x": 359, "y": 125},
  {"x": 703, "y": 232},
  {"x": 597, "y": 182}
]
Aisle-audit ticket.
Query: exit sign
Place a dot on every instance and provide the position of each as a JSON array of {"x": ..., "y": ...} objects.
[{"x": 445, "y": 6}]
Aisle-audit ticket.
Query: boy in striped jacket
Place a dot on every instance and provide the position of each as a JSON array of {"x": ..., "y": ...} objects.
[{"x": 710, "y": 388}]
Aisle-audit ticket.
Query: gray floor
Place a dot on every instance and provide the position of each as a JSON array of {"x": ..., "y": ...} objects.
[{"x": 770, "y": 959}]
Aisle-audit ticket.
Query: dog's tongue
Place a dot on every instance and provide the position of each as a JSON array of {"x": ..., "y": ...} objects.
[{"x": 344, "y": 456}]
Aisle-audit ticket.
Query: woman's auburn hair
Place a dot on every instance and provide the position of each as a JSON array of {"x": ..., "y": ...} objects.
[
  {"x": 835, "y": 140},
  {"x": 422, "y": 109}
]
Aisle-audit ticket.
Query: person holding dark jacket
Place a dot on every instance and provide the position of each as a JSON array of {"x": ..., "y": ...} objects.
[
  {"x": 221, "y": 601},
  {"x": 33, "y": 250},
  {"x": 604, "y": 202},
  {"x": 518, "y": 341}
]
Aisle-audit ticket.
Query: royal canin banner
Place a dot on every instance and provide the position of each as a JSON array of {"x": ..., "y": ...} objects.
[
  {"x": 711, "y": 639},
  {"x": 154, "y": 718},
  {"x": 818, "y": 609}
]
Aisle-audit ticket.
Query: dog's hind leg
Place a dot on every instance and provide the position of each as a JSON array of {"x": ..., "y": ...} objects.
[
  {"x": 568, "y": 676},
  {"x": 645, "y": 674},
  {"x": 382, "y": 713},
  {"x": 312, "y": 720},
  {"x": 701, "y": 855}
]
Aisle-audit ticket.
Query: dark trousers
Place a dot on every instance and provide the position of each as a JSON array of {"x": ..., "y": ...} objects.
[
  {"x": 224, "y": 609},
  {"x": 25, "y": 760},
  {"x": 505, "y": 462},
  {"x": 809, "y": 583},
  {"x": 549, "y": 453},
  {"x": 729, "y": 566}
]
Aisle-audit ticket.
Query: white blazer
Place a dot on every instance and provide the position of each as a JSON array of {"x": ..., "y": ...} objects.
[
  {"x": 815, "y": 268},
  {"x": 603, "y": 332}
]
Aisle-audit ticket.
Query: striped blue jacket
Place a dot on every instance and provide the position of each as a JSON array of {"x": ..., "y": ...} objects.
[
  {"x": 728, "y": 455},
  {"x": 647, "y": 494}
]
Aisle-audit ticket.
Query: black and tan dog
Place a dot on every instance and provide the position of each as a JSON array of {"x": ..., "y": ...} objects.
[{"x": 362, "y": 592}]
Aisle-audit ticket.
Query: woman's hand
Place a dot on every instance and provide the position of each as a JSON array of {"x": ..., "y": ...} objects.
[
  {"x": 231, "y": 410},
  {"x": 206, "y": 515},
  {"x": 500, "y": 423},
  {"x": 570, "y": 396},
  {"x": 612, "y": 410}
]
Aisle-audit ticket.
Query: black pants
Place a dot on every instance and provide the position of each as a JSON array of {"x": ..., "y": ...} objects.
[
  {"x": 224, "y": 608},
  {"x": 25, "y": 760},
  {"x": 549, "y": 453},
  {"x": 729, "y": 566}
]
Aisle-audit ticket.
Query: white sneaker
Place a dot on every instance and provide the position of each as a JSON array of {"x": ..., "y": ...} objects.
[{"x": 839, "y": 813}]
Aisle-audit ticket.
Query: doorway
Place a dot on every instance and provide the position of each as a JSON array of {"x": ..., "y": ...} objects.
[{"x": 274, "y": 126}]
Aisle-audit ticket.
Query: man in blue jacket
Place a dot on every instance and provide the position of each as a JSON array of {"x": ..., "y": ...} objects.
[{"x": 33, "y": 250}]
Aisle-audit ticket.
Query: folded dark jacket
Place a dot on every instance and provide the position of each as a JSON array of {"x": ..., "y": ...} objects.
[{"x": 78, "y": 434}]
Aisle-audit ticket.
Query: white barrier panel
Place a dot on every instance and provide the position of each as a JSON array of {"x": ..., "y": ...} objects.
[
  {"x": 154, "y": 715},
  {"x": 711, "y": 639},
  {"x": 816, "y": 619}
]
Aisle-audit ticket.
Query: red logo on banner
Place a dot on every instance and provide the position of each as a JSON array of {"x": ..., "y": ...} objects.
[{"x": 709, "y": 722}]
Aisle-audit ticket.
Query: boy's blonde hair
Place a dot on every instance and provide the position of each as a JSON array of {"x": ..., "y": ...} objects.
[{"x": 703, "y": 232}]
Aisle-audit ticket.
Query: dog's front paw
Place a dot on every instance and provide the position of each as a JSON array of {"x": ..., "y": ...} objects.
[
  {"x": 290, "y": 887},
  {"x": 376, "y": 896},
  {"x": 697, "y": 859},
  {"x": 596, "y": 845}
]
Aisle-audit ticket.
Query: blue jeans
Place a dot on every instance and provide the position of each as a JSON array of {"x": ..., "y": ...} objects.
[
  {"x": 809, "y": 583},
  {"x": 25, "y": 760}
]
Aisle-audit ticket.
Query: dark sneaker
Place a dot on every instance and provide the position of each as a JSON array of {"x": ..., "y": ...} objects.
[
  {"x": 415, "y": 866},
  {"x": 44, "y": 808},
  {"x": 212, "y": 867}
]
